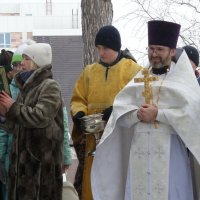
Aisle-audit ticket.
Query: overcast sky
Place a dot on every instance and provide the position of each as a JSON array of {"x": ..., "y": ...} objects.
[
  {"x": 134, "y": 32},
  {"x": 128, "y": 30}
]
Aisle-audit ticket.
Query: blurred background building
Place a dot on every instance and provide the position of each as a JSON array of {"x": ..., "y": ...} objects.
[
  {"x": 22, "y": 19},
  {"x": 57, "y": 22}
]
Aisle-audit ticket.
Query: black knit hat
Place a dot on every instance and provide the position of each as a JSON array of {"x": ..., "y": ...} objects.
[
  {"x": 192, "y": 54},
  {"x": 108, "y": 36},
  {"x": 163, "y": 33}
]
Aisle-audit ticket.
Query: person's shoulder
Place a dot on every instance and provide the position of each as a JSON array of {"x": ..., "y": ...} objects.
[
  {"x": 130, "y": 63},
  {"x": 92, "y": 67},
  {"x": 49, "y": 82}
]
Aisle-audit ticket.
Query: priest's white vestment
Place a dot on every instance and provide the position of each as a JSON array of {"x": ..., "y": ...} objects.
[{"x": 136, "y": 160}]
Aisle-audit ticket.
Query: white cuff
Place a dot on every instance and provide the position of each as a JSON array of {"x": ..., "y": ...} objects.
[
  {"x": 129, "y": 119},
  {"x": 161, "y": 116}
]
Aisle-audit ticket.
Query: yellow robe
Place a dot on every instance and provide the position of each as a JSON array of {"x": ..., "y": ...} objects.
[{"x": 94, "y": 92}]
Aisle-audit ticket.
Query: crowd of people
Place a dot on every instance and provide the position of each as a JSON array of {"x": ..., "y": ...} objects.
[{"x": 150, "y": 147}]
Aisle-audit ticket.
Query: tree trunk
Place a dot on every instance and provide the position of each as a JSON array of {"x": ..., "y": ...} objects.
[{"x": 95, "y": 14}]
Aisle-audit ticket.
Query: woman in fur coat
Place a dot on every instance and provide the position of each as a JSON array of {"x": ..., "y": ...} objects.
[{"x": 36, "y": 120}]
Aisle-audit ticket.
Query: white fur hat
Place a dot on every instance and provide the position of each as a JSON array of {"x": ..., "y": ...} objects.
[
  {"x": 23, "y": 45},
  {"x": 39, "y": 53},
  {"x": 17, "y": 56}
]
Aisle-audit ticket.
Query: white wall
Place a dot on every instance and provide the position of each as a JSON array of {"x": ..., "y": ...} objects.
[
  {"x": 28, "y": 24},
  {"x": 32, "y": 15}
]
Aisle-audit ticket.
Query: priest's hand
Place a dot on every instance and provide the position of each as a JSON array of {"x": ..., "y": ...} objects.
[
  {"x": 6, "y": 102},
  {"x": 147, "y": 113}
]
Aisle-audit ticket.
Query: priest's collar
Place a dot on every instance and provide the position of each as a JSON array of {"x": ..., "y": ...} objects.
[{"x": 160, "y": 71}]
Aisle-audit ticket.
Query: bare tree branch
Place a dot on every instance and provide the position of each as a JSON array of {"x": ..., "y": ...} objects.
[{"x": 184, "y": 12}]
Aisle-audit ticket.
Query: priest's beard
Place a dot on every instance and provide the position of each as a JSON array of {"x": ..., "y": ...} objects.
[{"x": 159, "y": 62}]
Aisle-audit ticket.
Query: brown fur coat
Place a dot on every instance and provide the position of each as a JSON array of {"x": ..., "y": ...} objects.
[{"x": 36, "y": 119}]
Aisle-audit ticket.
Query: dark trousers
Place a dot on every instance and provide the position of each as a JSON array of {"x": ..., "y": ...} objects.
[
  {"x": 2, "y": 191},
  {"x": 80, "y": 152}
]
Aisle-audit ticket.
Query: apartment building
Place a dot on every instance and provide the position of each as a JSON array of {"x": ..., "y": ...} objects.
[{"x": 22, "y": 19}]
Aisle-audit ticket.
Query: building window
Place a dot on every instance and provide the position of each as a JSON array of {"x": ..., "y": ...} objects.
[
  {"x": 75, "y": 18},
  {"x": 5, "y": 40}
]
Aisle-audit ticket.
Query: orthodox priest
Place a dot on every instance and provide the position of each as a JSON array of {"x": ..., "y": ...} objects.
[{"x": 152, "y": 128}]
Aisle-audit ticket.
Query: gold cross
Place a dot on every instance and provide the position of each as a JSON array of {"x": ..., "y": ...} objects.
[
  {"x": 147, "y": 79},
  {"x": 147, "y": 93}
]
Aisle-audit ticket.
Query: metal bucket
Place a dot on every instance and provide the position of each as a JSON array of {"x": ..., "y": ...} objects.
[{"x": 92, "y": 123}]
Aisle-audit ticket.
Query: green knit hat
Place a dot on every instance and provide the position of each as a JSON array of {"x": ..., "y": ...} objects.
[{"x": 16, "y": 58}]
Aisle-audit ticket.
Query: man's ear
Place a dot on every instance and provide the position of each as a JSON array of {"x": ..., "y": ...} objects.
[{"x": 173, "y": 52}]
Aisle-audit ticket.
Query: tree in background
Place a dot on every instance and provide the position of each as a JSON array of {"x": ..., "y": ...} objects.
[{"x": 95, "y": 14}]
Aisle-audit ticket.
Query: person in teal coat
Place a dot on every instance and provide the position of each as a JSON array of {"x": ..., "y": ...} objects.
[
  {"x": 5, "y": 138},
  {"x": 67, "y": 148}
]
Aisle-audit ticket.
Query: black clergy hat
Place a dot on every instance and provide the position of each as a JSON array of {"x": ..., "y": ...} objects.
[{"x": 163, "y": 33}]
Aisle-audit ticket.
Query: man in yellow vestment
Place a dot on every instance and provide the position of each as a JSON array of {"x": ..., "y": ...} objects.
[{"x": 94, "y": 92}]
